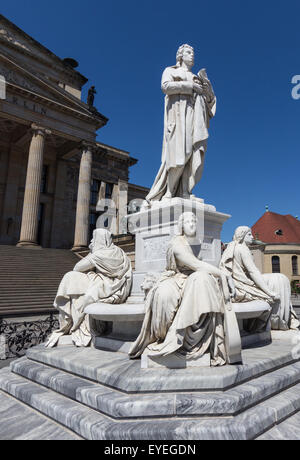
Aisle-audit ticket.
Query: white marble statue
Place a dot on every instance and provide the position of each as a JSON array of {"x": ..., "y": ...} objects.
[
  {"x": 190, "y": 103},
  {"x": 250, "y": 284},
  {"x": 185, "y": 307},
  {"x": 148, "y": 282},
  {"x": 103, "y": 275}
]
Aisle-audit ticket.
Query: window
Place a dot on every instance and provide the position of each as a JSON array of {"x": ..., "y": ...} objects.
[
  {"x": 295, "y": 265},
  {"x": 275, "y": 264},
  {"x": 95, "y": 191}
]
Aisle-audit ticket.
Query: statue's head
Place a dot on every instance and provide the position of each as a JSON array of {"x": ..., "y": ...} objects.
[
  {"x": 101, "y": 239},
  {"x": 185, "y": 54},
  {"x": 243, "y": 234},
  {"x": 187, "y": 224}
]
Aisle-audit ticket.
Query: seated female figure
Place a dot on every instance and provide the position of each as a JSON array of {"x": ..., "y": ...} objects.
[
  {"x": 185, "y": 308},
  {"x": 103, "y": 275},
  {"x": 250, "y": 284}
]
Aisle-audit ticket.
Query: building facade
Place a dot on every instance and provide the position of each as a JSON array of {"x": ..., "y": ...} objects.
[
  {"x": 277, "y": 247},
  {"x": 53, "y": 172}
]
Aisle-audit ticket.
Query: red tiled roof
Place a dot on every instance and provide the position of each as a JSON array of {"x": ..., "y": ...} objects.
[{"x": 265, "y": 228}]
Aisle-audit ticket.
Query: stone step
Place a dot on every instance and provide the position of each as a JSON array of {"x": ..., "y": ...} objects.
[
  {"x": 114, "y": 369},
  {"x": 120, "y": 405},
  {"x": 29, "y": 278},
  {"x": 19, "y": 422},
  {"x": 288, "y": 430},
  {"x": 43, "y": 294},
  {"x": 42, "y": 310},
  {"x": 25, "y": 301},
  {"x": 90, "y": 424}
]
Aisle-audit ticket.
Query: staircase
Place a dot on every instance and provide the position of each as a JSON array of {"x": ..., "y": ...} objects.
[
  {"x": 98, "y": 395},
  {"x": 29, "y": 278}
]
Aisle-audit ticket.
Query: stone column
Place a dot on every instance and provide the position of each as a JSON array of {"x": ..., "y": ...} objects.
[
  {"x": 29, "y": 225},
  {"x": 83, "y": 199}
]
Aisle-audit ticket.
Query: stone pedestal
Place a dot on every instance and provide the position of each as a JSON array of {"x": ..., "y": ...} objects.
[{"x": 155, "y": 227}]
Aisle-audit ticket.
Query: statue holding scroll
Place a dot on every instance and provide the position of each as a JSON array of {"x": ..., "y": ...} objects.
[{"x": 190, "y": 103}]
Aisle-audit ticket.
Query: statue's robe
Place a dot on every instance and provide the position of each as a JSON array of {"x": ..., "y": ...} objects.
[
  {"x": 237, "y": 261},
  {"x": 186, "y": 123},
  {"x": 184, "y": 314},
  {"x": 110, "y": 282}
]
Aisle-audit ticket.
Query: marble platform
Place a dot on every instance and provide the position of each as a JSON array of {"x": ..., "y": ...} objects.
[{"x": 103, "y": 395}]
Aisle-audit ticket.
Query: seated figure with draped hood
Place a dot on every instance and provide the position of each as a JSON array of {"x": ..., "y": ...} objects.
[
  {"x": 250, "y": 284},
  {"x": 104, "y": 275},
  {"x": 184, "y": 311}
]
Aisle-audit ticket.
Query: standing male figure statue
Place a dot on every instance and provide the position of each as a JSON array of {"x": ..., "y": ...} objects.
[
  {"x": 91, "y": 96},
  {"x": 189, "y": 105}
]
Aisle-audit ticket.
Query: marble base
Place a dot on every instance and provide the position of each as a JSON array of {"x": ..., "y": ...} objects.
[
  {"x": 65, "y": 340},
  {"x": 291, "y": 336},
  {"x": 256, "y": 339},
  {"x": 173, "y": 361},
  {"x": 64, "y": 385},
  {"x": 112, "y": 344}
]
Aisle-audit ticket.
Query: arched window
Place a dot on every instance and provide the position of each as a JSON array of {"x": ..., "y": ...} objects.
[
  {"x": 295, "y": 265},
  {"x": 275, "y": 264}
]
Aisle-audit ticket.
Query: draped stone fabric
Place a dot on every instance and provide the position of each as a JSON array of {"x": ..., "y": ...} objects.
[
  {"x": 110, "y": 282},
  {"x": 283, "y": 315},
  {"x": 238, "y": 262},
  {"x": 184, "y": 314},
  {"x": 186, "y": 122}
]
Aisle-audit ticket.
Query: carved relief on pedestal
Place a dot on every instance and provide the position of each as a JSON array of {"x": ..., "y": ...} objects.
[
  {"x": 155, "y": 247},
  {"x": 207, "y": 249}
]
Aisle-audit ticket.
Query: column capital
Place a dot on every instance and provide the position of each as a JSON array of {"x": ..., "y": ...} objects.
[
  {"x": 85, "y": 145},
  {"x": 36, "y": 129}
]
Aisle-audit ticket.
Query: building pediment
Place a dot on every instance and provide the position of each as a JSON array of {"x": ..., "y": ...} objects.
[
  {"x": 22, "y": 80},
  {"x": 18, "y": 41}
]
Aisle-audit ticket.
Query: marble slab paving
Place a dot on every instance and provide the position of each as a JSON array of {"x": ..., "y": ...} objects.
[
  {"x": 117, "y": 371},
  {"x": 19, "y": 422},
  {"x": 122, "y": 405}
]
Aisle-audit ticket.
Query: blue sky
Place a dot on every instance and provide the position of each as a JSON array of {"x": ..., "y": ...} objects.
[{"x": 251, "y": 52}]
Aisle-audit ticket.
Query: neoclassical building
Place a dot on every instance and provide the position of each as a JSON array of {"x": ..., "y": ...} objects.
[{"x": 52, "y": 170}]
